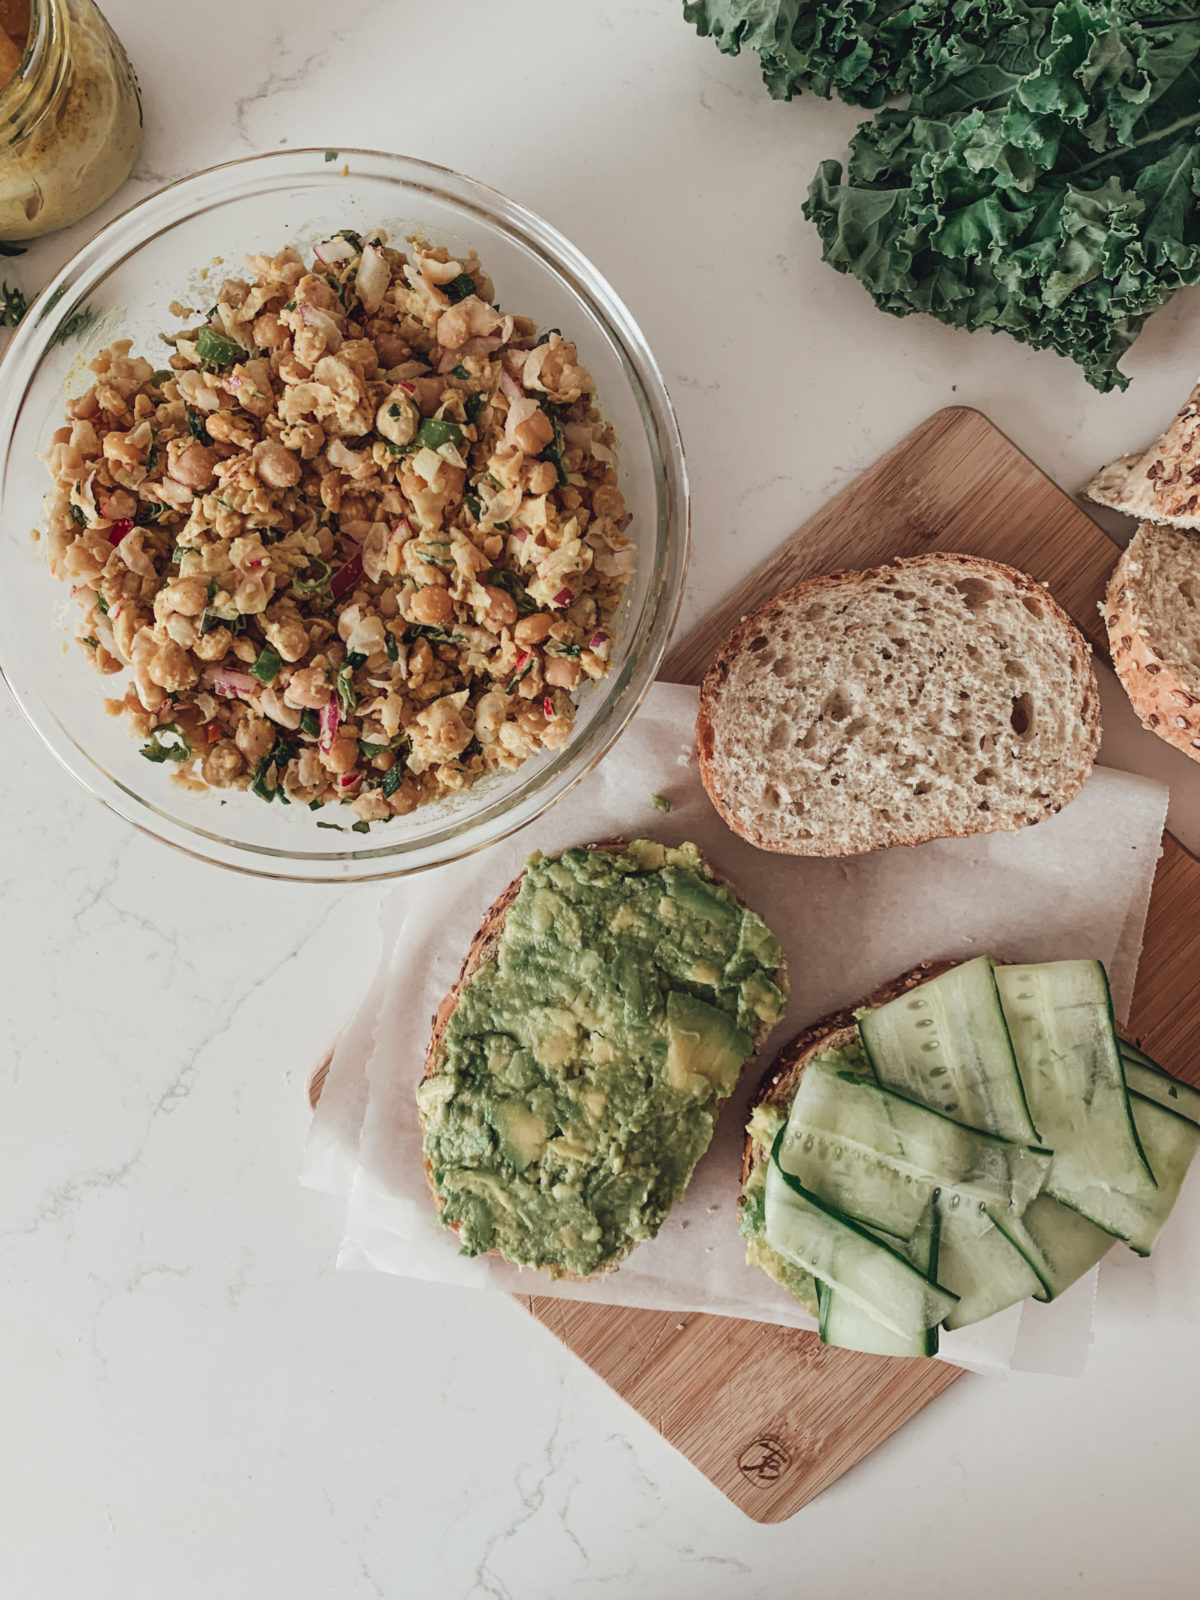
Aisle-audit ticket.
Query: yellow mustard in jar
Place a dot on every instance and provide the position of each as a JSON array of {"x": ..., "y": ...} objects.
[{"x": 70, "y": 115}]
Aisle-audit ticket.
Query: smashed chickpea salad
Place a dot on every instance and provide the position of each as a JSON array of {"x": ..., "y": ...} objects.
[{"x": 358, "y": 541}]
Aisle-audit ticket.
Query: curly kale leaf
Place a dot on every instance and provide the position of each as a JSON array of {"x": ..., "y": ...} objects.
[{"x": 1044, "y": 176}]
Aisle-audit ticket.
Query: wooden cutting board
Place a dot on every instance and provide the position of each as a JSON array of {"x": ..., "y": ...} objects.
[{"x": 769, "y": 1415}]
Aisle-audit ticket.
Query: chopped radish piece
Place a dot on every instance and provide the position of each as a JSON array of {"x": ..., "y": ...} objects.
[
  {"x": 564, "y": 597},
  {"x": 346, "y": 577},
  {"x": 119, "y": 529},
  {"x": 330, "y": 721}
]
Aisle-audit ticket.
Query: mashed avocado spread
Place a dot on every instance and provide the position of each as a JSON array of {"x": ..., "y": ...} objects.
[
  {"x": 577, "y": 1080},
  {"x": 765, "y": 1122}
]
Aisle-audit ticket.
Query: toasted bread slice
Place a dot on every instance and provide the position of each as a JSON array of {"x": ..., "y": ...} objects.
[
  {"x": 940, "y": 696},
  {"x": 482, "y": 950},
  {"x": 1152, "y": 613}
]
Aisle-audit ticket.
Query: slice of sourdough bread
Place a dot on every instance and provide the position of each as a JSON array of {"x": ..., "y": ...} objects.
[
  {"x": 483, "y": 949},
  {"x": 1152, "y": 613},
  {"x": 940, "y": 696}
]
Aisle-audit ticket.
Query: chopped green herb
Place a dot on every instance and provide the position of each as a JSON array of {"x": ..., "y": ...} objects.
[
  {"x": 267, "y": 665},
  {"x": 392, "y": 645},
  {"x": 494, "y": 481},
  {"x": 554, "y": 450},
  {"x": 436, "y": 552},
  {"x": 545, "y": 338},
  {"x": 437, "y": 431},
  {"x": 459, "y": 372},
  {"x": 520, "y": 675},
  {"x": 356, "y": 659},
  {"x": 290, "y": 306},
  {"x": 210, "y": 620},
  {"x": 394, "y": 409},
  {"x": 331, "y": 155},
  {"x": 504, "y": 578},
  {"x": 459, "y": 288},
  {"x": 315, "y": 805},
  {"x": 350, "y": 237},
  {"x": 152, "y": 454},
  {"x": 310, "y": 724},
  {"x": 155, "y": 510},
  {"x": 474, "y": 505},
  {"x": 660, "y": 802},
  {"x": 213, "y": 349},
  {"x": 163, "y": 375},
  {"x": 101, "y": 605},
  {"x": 168, "y": 742},
  {"x": 421, "y": 630},
  {"x": 372, "y": 750},
  {"x": 360, "y": 827},
  {"x": 77, "y": 515},
  {"x": 13, "y": 306},
  {"x": 344, "y": 683},
  {"x": 12, "y": 249},
  {"x": 268, "y": 779},
  {"x": 74, "y": 326},
  {"x": 473, "y": 405},
  {"x": 197, "y": 426},
  {"x": 392, "y": 779},
  {"x": 335, "y": 826},
  {"x": 87, "y": 639}
]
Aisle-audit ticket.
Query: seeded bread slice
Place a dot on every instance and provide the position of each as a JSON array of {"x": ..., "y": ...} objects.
[
  {"x": 1152, "y": 613},
  {"x": 1162, "y": 484},
  {"x": 483, "y": 949},
  {"x": 940, "y": 696}
]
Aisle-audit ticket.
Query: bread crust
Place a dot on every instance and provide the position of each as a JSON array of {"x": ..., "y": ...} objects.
[
  {"x": 483, "y": 949},
  {"x": 779, "y": 1083},
  {"x": 1157, "y": 692},
  {"x": 770, "y": 610}
]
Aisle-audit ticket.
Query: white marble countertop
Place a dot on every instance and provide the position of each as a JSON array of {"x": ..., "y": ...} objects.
[{"x": 194, "y": 1403}]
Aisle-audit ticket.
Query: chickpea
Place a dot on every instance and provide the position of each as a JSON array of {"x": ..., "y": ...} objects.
[
  {"x": 127, "y": 624},
  {"x": 254, "y": 737},
  {"x": 534, "y": 434},
  {"x": 290, "y": 639},
  {"x": 277, "y": 466},
  {"x": 286, "y": 716},
  {"x": 431, "y": 607},
  {"x": 501, "y": 609},
  {"x": 221, "y": 764},
  {"x": 608, "y": 502},
  {"x": 532, "y": 630},
  {"x": 172, "y": 668},
  {"x": 308, "y": 688},
  {"x": 188, "y": 596},
  {"x": 542, "y": 477},
  {"x": 269, "y": 332},
  {"x": 562, "y": 672},
  {"x": 398, "y": 419},
  {"x": 420, "y": 662},
  {"x": 212, "y": 645},
  {"x": 191, "y": 463},
  {"x": 342, "y": 755},
  {"x": 182, "y": 630}
]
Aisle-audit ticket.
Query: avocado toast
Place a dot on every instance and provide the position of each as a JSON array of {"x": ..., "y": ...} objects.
[{"x": 603, "y": 1015}]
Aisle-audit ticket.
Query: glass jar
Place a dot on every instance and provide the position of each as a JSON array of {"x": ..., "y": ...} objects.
[{"x": 70, "y": 120}]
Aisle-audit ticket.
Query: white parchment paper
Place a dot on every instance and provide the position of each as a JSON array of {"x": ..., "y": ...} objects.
[{"x": 1076, "y": 885}]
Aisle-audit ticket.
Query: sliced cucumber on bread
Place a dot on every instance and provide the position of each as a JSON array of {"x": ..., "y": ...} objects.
[{"x": 875, "y": 1174}]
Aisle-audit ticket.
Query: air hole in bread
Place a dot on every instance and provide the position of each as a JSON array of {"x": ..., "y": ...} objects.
[
  {"x": 972, "y": 652},
  {"x": 976, "y": 592},
  {"x": 814, "y": 614},
  {"x": 1021, "y": 716},
  {"x": 855, "y": 726},
  {"x": 1188, "y": 590},
  {"x": 810, "y": 738},
  {"x": 836, "y": 707},
  {"x": 1014, "y": 669},
  {"x": 985, "y": 775},
  {"x": 782, "y": 667},
  {"x": 920, "y": 788},
  {"x": 771, "y": 797},
  {"x": 834, "y": 781},
  {"x": 886, "y": 654},
  {"x": 1034, "y": 606},
  {"x": 759, "y": 642},
  {"x": 779, "y": 735}
]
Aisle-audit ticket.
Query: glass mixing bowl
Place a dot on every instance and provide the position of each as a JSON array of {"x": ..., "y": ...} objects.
[{"x": 119, "y": 287}]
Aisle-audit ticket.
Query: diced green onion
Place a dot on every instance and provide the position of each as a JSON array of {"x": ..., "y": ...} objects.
[
  {"x": 316, "y": 577},
  {"x": 213, "y": 349},
  {"x": 267, "y": 665},
  {"x": 196, "y": 426},
  {"x": 391, "y": 645},
  {"x": 344, "y": 684},
  {"x": 310, "y": 724}
]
